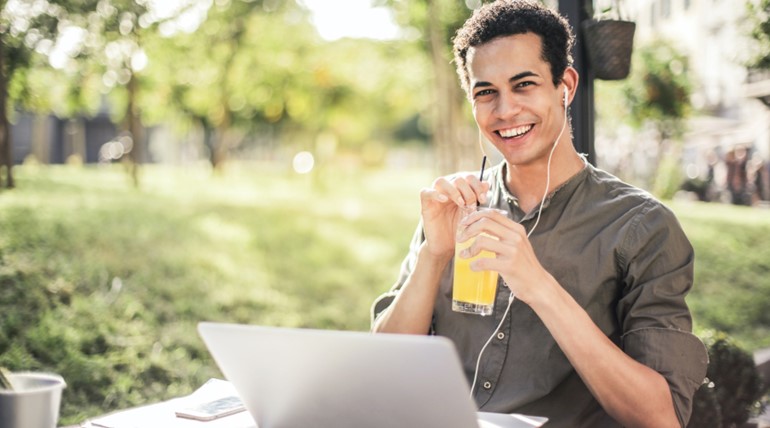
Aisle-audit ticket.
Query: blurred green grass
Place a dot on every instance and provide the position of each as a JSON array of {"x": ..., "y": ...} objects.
[
  {"x": 104, "y": 283},
  {"x": 732, "y": 270}
]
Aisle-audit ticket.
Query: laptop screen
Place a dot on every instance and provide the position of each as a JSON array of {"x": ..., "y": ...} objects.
[
  {"x": 290, "y": 378},
  {"x": 322, "y": 378}
]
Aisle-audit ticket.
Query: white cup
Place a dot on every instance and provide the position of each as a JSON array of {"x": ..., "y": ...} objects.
[{"x": 34, "y": 401}]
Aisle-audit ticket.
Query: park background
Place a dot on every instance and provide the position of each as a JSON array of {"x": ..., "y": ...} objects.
[{"x": 173, "y": 162}]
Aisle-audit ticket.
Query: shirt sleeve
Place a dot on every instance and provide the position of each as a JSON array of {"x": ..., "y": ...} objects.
[
  {"x": 384, "y": 301},
  {"x": 677, "y": 355},
  {"x": 657, "y": 259}
]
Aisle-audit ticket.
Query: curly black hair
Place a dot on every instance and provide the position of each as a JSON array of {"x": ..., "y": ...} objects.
[{"x": 509, "y": 17}]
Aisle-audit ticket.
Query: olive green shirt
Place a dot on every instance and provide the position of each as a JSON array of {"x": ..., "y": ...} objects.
[{"x": 622, "y": 255}]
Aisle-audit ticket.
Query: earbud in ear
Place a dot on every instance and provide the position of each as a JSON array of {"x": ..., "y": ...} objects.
[{"x": 566, "y": 98}]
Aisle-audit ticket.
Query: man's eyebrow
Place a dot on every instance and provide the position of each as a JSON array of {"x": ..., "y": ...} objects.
[
  {"x": 522, "y": 75},
  {"x": 481, "y": 84},
  {"x": 515, "y": 77}
]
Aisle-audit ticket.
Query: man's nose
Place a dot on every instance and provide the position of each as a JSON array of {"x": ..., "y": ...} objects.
[{"x": 508, "y": 105}]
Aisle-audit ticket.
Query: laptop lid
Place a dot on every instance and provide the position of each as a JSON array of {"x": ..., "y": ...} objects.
[{"x": 323, "y": 378}]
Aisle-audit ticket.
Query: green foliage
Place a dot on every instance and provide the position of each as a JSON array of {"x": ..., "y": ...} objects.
[
  {"x": 606, "y": 9},
  {"x": 732, "y": 389},
  {"x": 668, "y": 178},
  {"x": 251, "y": 71},
  {"x": 232, "y": 70},
  {"x": 656, "y": 97},
  {"x": 31, "y": 33},
  {"x": 758, "y": 17},
  {"x": 450, "y": 15},
  {"x": 658, "y": 89},
  {"x": 24, "y": 28},
  {"x": 248, "y": 72}
]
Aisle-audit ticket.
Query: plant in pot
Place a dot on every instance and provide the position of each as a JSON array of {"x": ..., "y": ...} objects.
[{"x": 609, "y": 39}]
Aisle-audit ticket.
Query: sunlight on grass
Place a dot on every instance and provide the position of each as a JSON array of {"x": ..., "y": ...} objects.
[
  {"x": 367, "y": 250},
  {"x": 721, "y": 213},
  {"x": 219, "y": 229},
  {"x": 732, "y": 269}
]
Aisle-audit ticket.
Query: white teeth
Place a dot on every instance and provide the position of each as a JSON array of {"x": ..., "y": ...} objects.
[{"x": 515, "y": 132}]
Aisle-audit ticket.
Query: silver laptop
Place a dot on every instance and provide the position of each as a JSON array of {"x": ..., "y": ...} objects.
[{"x": 290, "y": 378}]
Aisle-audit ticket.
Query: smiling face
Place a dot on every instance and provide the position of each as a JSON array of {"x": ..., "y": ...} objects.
[{"x": 515, "y": 103}]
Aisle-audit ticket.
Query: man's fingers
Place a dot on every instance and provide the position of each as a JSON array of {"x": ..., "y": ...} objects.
[
  {"x": 468, "y": 187},
  {"x": 462, "y": 190},
  {"x": 480, "y": 188},
  {"x": 433, "y": 195},
  {"x": 451, "y": 190}
]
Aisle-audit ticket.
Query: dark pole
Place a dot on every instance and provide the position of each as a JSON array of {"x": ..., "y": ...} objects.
[{"x": 583, "y": 105}]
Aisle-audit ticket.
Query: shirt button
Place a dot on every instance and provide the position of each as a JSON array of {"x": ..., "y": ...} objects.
[
  {"x": 501, "y": 335},
  {"x": 487, "y": 385}
]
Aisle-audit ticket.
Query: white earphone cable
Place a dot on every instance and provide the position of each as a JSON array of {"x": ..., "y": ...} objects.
[{"x": 512, "y": 297}]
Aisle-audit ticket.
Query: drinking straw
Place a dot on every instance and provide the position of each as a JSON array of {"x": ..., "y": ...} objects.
[
  {"x": 481, "y": 174},
  {"x": 483, "y": 160},
  {"x": 483, "y": 164}
]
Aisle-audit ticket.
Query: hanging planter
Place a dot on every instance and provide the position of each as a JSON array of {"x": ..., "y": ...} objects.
[{"x": 609, "y": 43}]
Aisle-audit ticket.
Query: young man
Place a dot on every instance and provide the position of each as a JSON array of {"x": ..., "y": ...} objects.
[{"x": 598, "y": 334}]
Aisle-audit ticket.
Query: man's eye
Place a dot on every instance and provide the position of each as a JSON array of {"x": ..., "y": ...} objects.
[
  {"x": 483, "y": 93},
  {"x": 524, "y": 84}
]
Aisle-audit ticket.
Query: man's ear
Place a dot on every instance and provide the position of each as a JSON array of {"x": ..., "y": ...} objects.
[{"x": 570, "y": 80}]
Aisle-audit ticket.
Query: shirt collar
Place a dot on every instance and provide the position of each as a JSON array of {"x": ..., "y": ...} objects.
[{"x": 567, "y": 187}]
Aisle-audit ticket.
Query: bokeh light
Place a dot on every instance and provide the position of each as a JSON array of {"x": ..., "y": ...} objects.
[{"x": 303, "y": 162}]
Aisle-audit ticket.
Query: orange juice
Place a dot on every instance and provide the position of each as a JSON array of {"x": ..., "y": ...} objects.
[{"x": 472, "y": 292}]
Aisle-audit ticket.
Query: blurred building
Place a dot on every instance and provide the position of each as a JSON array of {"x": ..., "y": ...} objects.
[
  {"x": 52, "y": 140},
  {"x": 731, "y": 103}
]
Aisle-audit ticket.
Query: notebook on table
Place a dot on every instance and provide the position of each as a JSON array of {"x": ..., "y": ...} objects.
[{"x": 289, "y": 377}]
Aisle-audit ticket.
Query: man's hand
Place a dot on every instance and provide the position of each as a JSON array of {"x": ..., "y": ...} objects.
[
  {"x": 515, "y": 259},
  {"x": 440, "y": 210},
  {"x": 412, "y": 310}
]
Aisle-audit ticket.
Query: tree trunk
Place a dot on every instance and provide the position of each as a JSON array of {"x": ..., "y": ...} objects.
[
  {"x": 221, "y": 149},
  {"x": 41, "y": 148},
  {"x": 76, "y": 140},
  {"x": 208, "y": 138},
  {"x": 134, "y": 128},
  {"x": 223, "y": 140},
  {"x": 454, "y": 140},
  {"x": 6, "y": 154}
]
